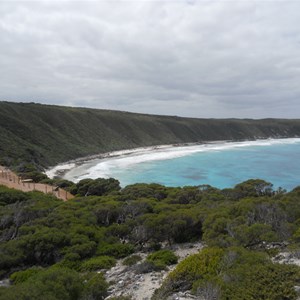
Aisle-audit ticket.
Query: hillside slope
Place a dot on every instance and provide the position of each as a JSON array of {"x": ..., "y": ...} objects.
[{"x": 47, "y": 135}]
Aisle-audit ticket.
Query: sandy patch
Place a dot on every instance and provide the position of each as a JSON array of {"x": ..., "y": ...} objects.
[{"x": 142, "y": 286}]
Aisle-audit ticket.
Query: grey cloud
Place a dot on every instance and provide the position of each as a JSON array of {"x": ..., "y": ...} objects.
[{"x": 191, "y": 58}]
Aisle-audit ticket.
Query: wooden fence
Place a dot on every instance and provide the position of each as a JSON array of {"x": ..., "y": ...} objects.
[{"x": 11, "y": 180}]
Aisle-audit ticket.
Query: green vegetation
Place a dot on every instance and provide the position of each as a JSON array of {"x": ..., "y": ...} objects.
[
  {"x": 132, "y": 260},
  {"x": 117, "y": 250},
  {"x": 162, "y": 258},
  {"x": 97, "y": 263},
  {"x": 44, "y": 239},
  {"x": 57, "y": 283},
  {"x": 22, "y": 276},
  {"x": 52, "y": 249},
  {"x": 95, "y": 187},
  {"x": 232, "y": 273},
  {"x": 45, "y": 135},
  {"x": 156, "y": 261},
  {"x": 30, "y": 171}
]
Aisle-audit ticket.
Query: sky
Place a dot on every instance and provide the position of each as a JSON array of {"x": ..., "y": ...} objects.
[{"x": 204, "y": 59}]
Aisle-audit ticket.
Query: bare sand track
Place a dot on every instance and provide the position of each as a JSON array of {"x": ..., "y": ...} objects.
[{"x": 11, "y": 180}]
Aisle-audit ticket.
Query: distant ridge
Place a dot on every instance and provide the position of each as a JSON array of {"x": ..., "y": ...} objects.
[{"x": 48, "y": 134}]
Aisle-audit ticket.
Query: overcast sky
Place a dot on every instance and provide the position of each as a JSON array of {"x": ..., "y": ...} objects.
[{"x": 184, "y": 57}]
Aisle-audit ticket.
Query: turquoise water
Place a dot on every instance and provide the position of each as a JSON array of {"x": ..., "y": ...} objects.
[{"x": 220, "y": 165}]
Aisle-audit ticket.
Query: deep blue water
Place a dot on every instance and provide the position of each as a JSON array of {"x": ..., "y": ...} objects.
[{"x": 220, "y": 165}]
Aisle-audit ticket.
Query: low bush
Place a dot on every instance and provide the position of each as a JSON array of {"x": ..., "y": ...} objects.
[
  {"x": 147, "y": 267},
  {"x": 97, "y": 263},
  {"x": 22, "y": 276},
  {"x": 95, "y": 287},
  {"x": 216, "y": 273},
  {"x": 53, "y": 283},
  {"x": 10, "y": 196},
  {"x": 70, "y": 263},
  {"x": 117, "y": 250},
  {"x": 163, "y": 257},
  {"x": 131, "y": 260}
]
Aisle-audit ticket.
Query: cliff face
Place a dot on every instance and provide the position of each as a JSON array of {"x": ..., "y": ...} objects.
[{"x": 47, "y": 135}]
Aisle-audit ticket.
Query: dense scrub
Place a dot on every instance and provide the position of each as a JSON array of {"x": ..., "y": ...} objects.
[
  {"x": 233, "y": 273},
  {"x": 57, "y": 283},
  {"x": 46, "y": 135},
  {"x": 42, "y": 237}
]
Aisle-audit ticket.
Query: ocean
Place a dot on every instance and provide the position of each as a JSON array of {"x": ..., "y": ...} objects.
[{"x": 219, "y": 164}]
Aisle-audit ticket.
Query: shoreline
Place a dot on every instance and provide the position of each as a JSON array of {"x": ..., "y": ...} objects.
[{"x": 62, "y": 169}]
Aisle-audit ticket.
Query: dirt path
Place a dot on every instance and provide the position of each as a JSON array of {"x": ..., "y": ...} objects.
[
  {"x": 142, "y": 286},
  {"x": 11, "y": 180}
]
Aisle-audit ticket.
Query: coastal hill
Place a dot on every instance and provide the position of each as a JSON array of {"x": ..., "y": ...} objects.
[
  {"x": 46, "y": 134},
  {"x": 144, "y": 240}
]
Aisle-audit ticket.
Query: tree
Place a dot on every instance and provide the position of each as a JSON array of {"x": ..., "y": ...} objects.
[
  {"x": 52, "y": 284},
  {"x": 95, "y": 287},
  {"x": 97, "y": 187},
  {"x": 254, "y": 188}
]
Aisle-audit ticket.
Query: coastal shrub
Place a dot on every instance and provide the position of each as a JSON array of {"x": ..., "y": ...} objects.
[
  {"x": 31, "y": 171},
  {"x": 48, "y": 181},
  {"x": 204, "y": 264},
  {"x": 132, "y": 260},
  {"x": 43, "y": 246},
  {"x": 217, "y": 273},
  {"x": 12, "y": 254},
  {"x": 58, "y": 283},
  {"x": 117, "y": 250},
  {"x": 118, "y": 230},
  {"x": 250, "y": 222},
  {"x": 144, "y": 190},
  {"x": 10, "y": 196},
  {"x": 53, "y": 283},
  {"x": 39, "y": 230},
  {"x": 97, "y": 187},
  {"x": 95, "y": 287},
  {"x": 72, "y": 189},
  {"x": 36, "y": 176},
  {"x": 154, "y": 246},
  {"x": 195, "y": 267},
  {"x": 64, "y": 183},
  {"x": 254, "y": 188},
  {"x": 97, "y": 263},
  {"x": 70, "y": 261},
  {"x": 84, "y": 250},
  {"x": 267, "y": 281},
  {"x": 22, "y": 276},
  {"x": 148, "y": 266},
  {"x": 82, "y": 186},
  {"x": 296, "y": 236},
  {"x": 163, "y": 257},
  {"x": 207, "y": 289}
]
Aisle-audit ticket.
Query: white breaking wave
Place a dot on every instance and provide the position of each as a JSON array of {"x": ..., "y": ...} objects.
[
  {"x": 54, "y": 171},
  {"x": 129, "y": 158}
]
